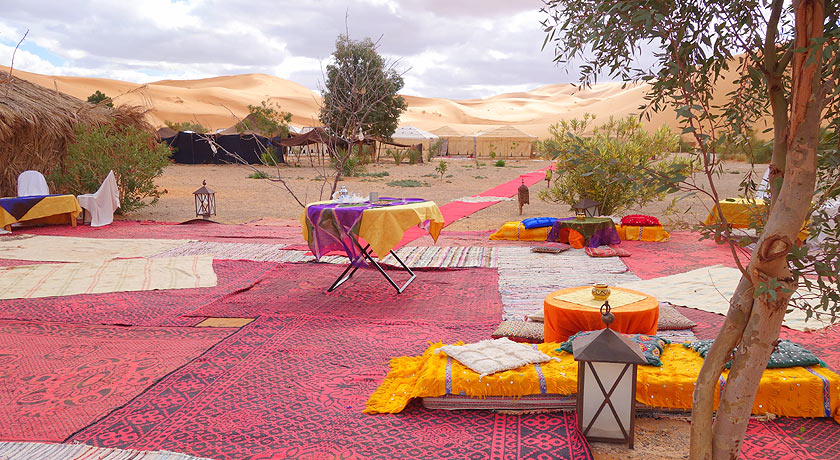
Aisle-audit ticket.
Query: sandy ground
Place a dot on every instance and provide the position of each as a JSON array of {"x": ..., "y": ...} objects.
[{"x": 241, "y": 199}]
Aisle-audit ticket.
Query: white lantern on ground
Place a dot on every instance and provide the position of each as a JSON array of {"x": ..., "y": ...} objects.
[{"x": 606, "y": 396}]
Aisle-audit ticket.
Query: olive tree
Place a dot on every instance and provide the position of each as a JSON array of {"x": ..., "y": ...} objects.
[{"x": 783, "y": 61}]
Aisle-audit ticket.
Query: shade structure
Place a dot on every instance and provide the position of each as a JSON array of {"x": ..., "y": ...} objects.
[
  {"x": 412, "y": 136},
  {"x": 504, "y": 142}
]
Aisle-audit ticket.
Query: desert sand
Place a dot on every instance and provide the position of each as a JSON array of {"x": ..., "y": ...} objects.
[{"x": 219, "y": 102}]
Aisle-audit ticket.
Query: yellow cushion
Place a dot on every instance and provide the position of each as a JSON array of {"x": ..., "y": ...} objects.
[
  {"x": 517, "y": 232},
  {"x": 648, "y": 233}
]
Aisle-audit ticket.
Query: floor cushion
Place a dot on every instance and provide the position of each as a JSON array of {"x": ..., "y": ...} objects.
[
  {"x": 515, "y": 231},
  {"x": 520, "y": 331},
  {"x": 606, "y": 251},
  {"x": 786, "y": 354},
  {"x": 642, "y": 233},
  {"x": 551, "y": 248},
  {"x": 538, "y": 222},
  {"x": 651, "y": 345},
  {"x": 491, "y": 356},
  {"x": 640, "y": 220},
  {"x": 671, "y": 319}
]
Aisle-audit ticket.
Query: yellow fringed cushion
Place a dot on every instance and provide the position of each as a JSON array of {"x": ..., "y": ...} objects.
[
  {"x": 517, "y": 232},
  {"x": 792, "y": 392},
  {"x": 648, "y": 233}
]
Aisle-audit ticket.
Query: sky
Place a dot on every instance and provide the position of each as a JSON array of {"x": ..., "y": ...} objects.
[{"x": 457, "y": 49}]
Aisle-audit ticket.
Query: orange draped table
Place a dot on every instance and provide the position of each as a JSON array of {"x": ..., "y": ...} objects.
[{"x": 563, "y": 319}]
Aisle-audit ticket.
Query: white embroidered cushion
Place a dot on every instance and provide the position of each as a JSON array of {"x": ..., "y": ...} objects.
[{"x": 491, "y": 356}]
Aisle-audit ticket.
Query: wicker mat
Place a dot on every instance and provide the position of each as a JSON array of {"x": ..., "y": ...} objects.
[{"x": 526, "y": 278}]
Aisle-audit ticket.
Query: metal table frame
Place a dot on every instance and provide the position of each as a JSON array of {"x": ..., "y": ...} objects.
[{"x": 367, "y": 255}]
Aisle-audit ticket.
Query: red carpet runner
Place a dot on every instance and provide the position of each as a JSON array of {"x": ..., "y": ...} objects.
[
  {"x": 295, "y": 387},
  {"x": 58, "y": 378}
]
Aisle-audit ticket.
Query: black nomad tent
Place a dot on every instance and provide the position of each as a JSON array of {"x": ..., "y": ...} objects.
[{"x": 193, "y": 148}]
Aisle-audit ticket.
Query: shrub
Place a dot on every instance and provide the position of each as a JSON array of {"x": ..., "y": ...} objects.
[
  {"x": 258, "y": 175},
  {"x": 376, "y": 174},
  {"x": 408, "y": 183},
  {"x": 434, "y": 148},
  {"x": 414, "y": 156},
  {"x": 186, "y": 126},
  {"x": 100, "y": 97},
  {"x": 352, "y": 167},
  {"x": 499, "y": 163},
  {"x": 133, "y": 154},
  {"x": 269, "y": 157},
  {"x": 396, "y": 154},
  {"x": 744, "y": 148},
  {"x": 615, "y": 166},
  {"x": 441, "y": 168}
]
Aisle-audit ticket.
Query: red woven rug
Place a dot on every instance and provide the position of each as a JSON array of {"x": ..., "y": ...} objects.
[
  {"x": 295, "y": 387},
  {"x": 683, "y": 252},
  {"x": 510, "y": 188},
  {"x": 58, "y": 378},
  {"x": 145, "y": 308},
  {"x": 203, "y": 231},
  {"x": 447, "y": 295},
  {"x": 792, "y": 439}
]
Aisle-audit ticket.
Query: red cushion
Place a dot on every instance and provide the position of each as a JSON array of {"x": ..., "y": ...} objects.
[
  {"x": 607, "y": 251},
  {"x": 639, "y": 220}
]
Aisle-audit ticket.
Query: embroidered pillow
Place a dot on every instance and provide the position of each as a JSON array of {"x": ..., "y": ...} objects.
[
  {"x": 606, "y": 251},
  {"x": 520, "y": 331},
  {"x": 538, "y": 222},
  {"x": 551, "y": 248},
  {"x": 786, "y": 354},
  {"x": 671, "y": 319},
  {"x": 651, "y": 345},
  {"x": 491, "y": 356},
  {"x": 640, "y": 220}
]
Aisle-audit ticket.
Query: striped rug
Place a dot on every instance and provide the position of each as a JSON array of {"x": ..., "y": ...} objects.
[
  {"x": 33, "y": 450},
  {"x": 413, "y": 256}
]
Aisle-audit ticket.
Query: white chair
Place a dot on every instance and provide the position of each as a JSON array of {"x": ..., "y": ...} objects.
[
  {"x": 32, "y": 183},
  {"x": 102, "y": 204}
]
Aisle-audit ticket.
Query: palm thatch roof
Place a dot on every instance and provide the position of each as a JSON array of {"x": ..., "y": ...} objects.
[{"x": 37, "y": 124}]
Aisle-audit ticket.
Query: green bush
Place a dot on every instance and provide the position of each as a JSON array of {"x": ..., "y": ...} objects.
[
  {"x": 414, "y": 156},
  {"x": 352, "y": 167},
  {"x": 499, "y": 163},
  {"x": 744, "y": 148},
  {"x": 133, "y": 154},
  {"x": 269, "y": 157},
  {"x": 434, "y": 148},
  {"x": 441, "y": 168},
  {"x": 258, "y": 175},
  {"x": 376, "y": 174},
  {"x": 408, "y": 183},
  {"x": 616, "y": 166},
  {"x": 396, "y": 154}
]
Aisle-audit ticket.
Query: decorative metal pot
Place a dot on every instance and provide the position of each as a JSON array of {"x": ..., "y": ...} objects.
[{"x": 601, "y": 291}]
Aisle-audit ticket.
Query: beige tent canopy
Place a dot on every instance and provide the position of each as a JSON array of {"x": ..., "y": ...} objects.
[
  {"x": 457, "y": 143},
  {"x": 505, "y": 141},
  {"x": 412, "y": 136}
]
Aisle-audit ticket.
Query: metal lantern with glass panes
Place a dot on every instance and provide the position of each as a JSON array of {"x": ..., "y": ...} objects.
[
  {"x": 586, "y": 208},
  {"x": 606, "y": 394},
  {"x": 205, "y": 201}
]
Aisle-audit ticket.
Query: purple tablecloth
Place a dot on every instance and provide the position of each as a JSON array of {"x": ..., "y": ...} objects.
[
  {"x": 332, "y": 226},
  {"x": 596, "y": 231}
]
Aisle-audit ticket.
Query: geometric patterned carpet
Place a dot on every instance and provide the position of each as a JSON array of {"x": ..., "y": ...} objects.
[
  {"x": 58, "y": 378},
  {"x": 295, "y": 387}
]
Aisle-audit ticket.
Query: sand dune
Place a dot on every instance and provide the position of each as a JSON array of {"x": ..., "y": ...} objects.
[{"x": 217, "y": 102}]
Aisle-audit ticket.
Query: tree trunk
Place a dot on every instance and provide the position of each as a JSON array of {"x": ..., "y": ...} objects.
[{"x": 754, "y": 325}]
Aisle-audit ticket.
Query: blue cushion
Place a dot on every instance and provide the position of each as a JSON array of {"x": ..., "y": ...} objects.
[
  {"x": 539, "y": 222},
  {"x": 786, "y": 354}
]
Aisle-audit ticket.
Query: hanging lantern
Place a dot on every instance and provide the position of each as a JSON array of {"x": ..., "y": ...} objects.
[
  {"x": 586, "y": 208},
  {"x": 523, "y": 196},
  {"x": 205, "y": 201},
  {"x": 606, "y": 393}
]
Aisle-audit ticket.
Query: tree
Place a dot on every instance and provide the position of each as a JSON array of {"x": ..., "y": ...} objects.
[
  {"x": 359, "y": 98},
  {"x": 186, "y": 126},
  {"x": 99, "y": 97},
  {"x": 784, "y": 63},
  {"x": 266, "y": 119}
]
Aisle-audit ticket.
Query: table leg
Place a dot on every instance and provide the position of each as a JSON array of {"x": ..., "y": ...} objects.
[
  {"x": 366, "y": 254},
  {"x": 72, "y": 219}
]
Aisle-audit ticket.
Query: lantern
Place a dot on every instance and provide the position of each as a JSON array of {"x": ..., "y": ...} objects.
[
  {"x": 523, "y": 196},
  {"x": 205, "y": 201},
  {"x": 585, "y": 208},
  {"x": 606, "y": 393}
]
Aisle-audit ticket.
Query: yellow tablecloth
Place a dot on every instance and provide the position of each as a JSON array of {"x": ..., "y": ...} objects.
[
  {"x": 740, "y": 212},
  {"x": 383, "y": 227},
  {"x": 48, "y": 206}
]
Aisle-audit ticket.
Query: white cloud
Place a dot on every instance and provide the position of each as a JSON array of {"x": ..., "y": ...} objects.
[{"x": 458, "y": 49}]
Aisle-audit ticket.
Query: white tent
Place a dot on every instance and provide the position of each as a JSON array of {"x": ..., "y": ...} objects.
[{"x": 410, "y": 135}]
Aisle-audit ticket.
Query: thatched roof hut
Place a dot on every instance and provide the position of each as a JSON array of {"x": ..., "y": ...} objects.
[{"x": 37, "y": 123}]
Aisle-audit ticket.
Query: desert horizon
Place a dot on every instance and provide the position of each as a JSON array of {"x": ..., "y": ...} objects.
[{"x": 219, "y": 102}]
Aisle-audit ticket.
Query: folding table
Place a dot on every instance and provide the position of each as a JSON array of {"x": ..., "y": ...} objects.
[{"x": 364, "y": 230}]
